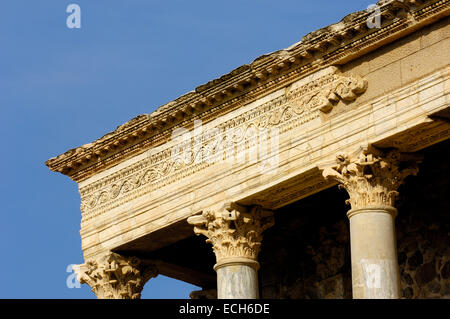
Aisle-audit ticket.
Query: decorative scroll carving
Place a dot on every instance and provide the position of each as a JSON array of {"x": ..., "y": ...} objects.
[
  {"x": 372, "y": 177},
  {"x": 115, "y": 277},
  {"x": 235, "y": 231},
  {"x": 323, "y": 93},
  {"x": 299, "y": 106},
  {"x": 335, "y": 44}
]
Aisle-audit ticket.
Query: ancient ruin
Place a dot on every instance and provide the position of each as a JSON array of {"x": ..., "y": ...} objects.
[{"x": 317, "y": 171}]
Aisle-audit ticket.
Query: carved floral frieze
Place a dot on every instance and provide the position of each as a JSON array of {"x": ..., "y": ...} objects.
[
  {"x": 296, "y": 107},
  {"x": 332, "y": 45}
]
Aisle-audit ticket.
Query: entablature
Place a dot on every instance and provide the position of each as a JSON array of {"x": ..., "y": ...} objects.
[
  {"x": 170, "y": 183},
  {"x": 333, "y": 45}
]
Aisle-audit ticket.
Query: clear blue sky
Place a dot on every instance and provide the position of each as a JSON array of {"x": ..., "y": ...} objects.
[{"x": 61, "y": 88}]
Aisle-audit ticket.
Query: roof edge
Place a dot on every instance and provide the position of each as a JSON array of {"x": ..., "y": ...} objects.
[{"x": 338, "y": 43}]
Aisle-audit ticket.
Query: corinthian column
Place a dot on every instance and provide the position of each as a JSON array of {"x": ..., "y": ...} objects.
[
  {"x": 372, "y": 178},
  {"x": 113, "y": 276},
  {"x": 236, "y": 234}
]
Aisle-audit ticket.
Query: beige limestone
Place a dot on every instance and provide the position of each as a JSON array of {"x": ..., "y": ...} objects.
[{"x": 340, "y": 89}]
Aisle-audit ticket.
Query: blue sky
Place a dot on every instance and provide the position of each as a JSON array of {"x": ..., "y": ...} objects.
[{"x": 61, "y": 88}]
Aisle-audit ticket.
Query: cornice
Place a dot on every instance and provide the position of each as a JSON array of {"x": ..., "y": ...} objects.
[
  {"x": 336, "y": 44},
  {"x": 301, "y": 104}
]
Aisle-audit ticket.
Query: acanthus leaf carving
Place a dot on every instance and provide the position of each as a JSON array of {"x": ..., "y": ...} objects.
[
  {"x": 301, "y": 104},
  {"x": 371, "y": 176},
  {"x": 333, "y": 49},
  {"x": 234, "y": 231},
  {"x": 113, "y": 276},
  {"x": 323, "y": 93}
]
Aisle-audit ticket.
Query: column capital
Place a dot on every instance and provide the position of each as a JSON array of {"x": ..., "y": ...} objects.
[
  {"x": 372, "y": 176},
  {"x": 113, "y": 276},
  {"x": 234, "y": 231}
]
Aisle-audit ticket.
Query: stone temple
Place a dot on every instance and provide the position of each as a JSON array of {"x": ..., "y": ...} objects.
[{"x": 317, "y": 171}]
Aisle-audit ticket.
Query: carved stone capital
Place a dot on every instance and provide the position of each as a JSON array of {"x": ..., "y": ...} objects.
[
  {"x": 234, "y": 231},
  {"x": 371, "y": 176},
  {"x": 113, "y": 276}
]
